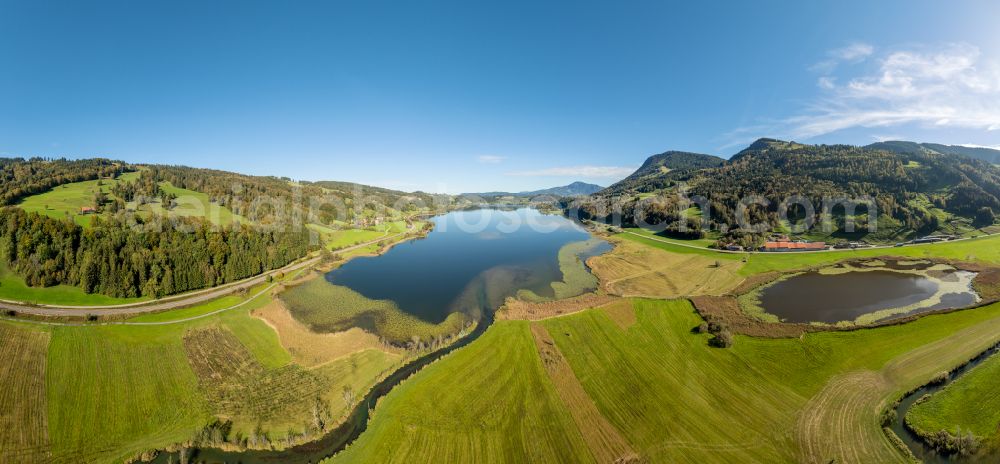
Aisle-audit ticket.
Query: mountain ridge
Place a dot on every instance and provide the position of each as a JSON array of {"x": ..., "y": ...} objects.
[
  {"x": 577, "y": 188},
  {"x": 916, "y": 188}
]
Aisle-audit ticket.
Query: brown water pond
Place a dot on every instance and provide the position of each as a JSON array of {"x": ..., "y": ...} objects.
[{"x": 866, "y": 295}]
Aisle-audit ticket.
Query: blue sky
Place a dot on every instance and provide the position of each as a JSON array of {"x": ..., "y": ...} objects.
[{"x": 473, "y": 96}]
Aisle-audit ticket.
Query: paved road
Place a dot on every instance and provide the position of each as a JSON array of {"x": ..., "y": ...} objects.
[
  {"x": 172, "y": 302},
  {"x": 882, "y": 247},
  {"x": 175, "y": 321}
]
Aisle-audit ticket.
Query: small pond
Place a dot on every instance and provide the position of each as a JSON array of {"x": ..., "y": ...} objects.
[{"x": 867, "y": 294}]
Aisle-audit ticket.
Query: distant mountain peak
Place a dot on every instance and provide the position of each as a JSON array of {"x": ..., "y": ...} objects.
[
  {"x": 665, "y": 168},
  {"x": 574, "y": 189}
]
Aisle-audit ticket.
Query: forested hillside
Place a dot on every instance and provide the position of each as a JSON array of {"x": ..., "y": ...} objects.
[
  {"x": 21, "y": 177},
  {"x": 990, "y": 155},
  {"x": 123, "y": 248},
  {"x": 267, "y": 199},
  {"x": 663, "y": 171},
  {"x": 155, "y": 259},
  {"x": 913, "y": 191}
]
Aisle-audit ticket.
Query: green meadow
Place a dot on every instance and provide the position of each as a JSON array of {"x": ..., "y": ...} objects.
[
  {"x": 66, "y": 200},
  {"x": 339, "y": 238},
  {"x": 969, "y": 404},
  {"x": 190, "y": 203},
  {"x": 667, "y": 392},
  {"x": 111, "y": 392}
]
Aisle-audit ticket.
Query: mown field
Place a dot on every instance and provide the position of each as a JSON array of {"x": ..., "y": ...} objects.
[
  {"x": 969, "y": 404},
  {"x": 109, "y": 393},
  {"x": 671, "y": 396},
  {"x": 24, "y": 435},
  {"x": 633, "y": 269},
  {"x": 114, "y": 392},
  {"x": 488, "y": 402}
]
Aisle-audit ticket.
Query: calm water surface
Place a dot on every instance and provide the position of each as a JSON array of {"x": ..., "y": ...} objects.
[
  {"x": 815, "y": 297},
  {"x": 484, "y": 252}
]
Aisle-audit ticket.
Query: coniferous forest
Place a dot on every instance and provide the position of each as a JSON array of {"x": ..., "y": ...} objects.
[{"x": 116, "y": 260}]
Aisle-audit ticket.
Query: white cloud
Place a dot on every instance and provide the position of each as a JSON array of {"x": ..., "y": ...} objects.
[
  {"x": 950, "y": 86},
  {"x": 886, "y": 138},
  {"x": 491, "y": 159},
  {"x": 826, "y": 82},
  {"x": 972, "y": 145},
  {"x": 853, "y": 53},
  {"x": 606, "y": 172}
]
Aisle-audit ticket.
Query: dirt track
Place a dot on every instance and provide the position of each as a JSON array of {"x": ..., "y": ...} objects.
[{"x": 841, "y": 422}]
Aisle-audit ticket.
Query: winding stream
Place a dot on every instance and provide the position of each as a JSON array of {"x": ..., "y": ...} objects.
[{"x": 917, "y": 446}]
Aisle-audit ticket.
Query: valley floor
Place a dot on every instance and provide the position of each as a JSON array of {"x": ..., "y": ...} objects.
[{"x": 616, "y": 377}]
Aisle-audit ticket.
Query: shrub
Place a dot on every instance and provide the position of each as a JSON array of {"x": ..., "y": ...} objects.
[
  {"x": 888, "y": 417},
  {"x": 723, "y": 339},
  {"x": 962, "y": 444},
  {"x": 714, "y": 327}
]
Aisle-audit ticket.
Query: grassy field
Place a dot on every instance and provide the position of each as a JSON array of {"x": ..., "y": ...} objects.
[
  {"x": 109, "y": 393},
  {"x": 24, "y": 434},
  {"x": 193, "y": 204},
  {"x": 488, "y": 402},
  {"x": 633, "y": 269},
  {"x": 702, "y": 242},
  {"x": 12, "y": 287},
  {"x": 67, "y": 199},
  {"x": 970, "y": 404},
  {"x": 278, "y": 399},
  {"x": 114, "y": 392},
  {"x": 671, "y": 396},
  {"x": 336, "y": 239}
]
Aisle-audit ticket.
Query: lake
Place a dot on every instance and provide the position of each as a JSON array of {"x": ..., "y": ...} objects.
[
  {"x": 816, "y": 296},
  {"x": 471, "y": 261}
]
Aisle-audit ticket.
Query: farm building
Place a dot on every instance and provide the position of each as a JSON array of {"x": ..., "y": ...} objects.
[
  {"x": 88, "y": 210},
  {"x": 793, "y": 246}
]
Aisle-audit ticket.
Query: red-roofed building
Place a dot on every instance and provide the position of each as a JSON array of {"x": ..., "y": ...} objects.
[
  {"x": 88, "y": 210},
  {"x": 794, "y": 246}
]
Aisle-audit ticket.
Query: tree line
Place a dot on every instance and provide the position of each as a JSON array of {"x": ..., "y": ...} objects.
[
  {"x": 902, "y": 187},
  {"x": 20, "y": 177},
  {"x": 154, "y": 259}
]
